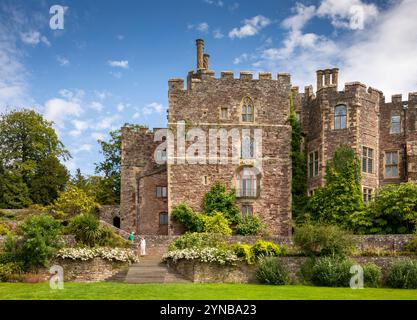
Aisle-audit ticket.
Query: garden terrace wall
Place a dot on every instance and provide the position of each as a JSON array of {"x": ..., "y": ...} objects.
[
  {"x": 243, "y": 273},
  {"x": 94, "y": 270},
  {"x": 158, "y": 244}
]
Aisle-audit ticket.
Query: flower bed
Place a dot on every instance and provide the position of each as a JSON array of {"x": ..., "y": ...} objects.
[
  {"x": 207, "y": 255},
  {"x": 111, "y": 254}
]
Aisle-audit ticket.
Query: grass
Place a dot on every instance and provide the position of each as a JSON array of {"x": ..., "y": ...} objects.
[{"x": 190, "y": 291}]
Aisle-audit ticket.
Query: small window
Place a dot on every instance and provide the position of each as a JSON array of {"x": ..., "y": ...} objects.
[
  {"x": 161, "y": 155},
  {"x": 313, "y": 164},
  {"x": 311, "y": 192},
  {"x": 224, "y": 113},
  {"x": 395, "y": 124},
  {"x": 163, "y": 219},
  {"x": 367, "y": 160},
  {"x": 247, "y": 110},
  {"x": 247, "y": 148},
  {"x": 161, "y": 192},
  {"x": 391, "y": 164},
  {"x": 367, "y": 195},
  {"x": 340, "y": 115},
  {"x": 247, "y": 211}
]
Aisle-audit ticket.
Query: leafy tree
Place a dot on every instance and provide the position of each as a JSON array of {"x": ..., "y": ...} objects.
[
  {"x": 14, "y": 193},
  {"x": 28, "y": 146},
  {"x": 342, "y": 188},
  {"x": 184, "y": 214},
  {"x": 393, "y": 210},
  {"x": 110, "y": 166},
  {"x": 299, "y": 166},
  {"x": 49, "y": 179},
  {"x": 217, "y": 223},
  {"x": 73, "y": 202},
  {"x": 219, "y": 200}
]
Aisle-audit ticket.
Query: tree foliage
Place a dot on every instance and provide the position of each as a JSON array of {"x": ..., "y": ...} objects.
[
  {"x": 340, "y": 201},
  {"x": 219, "y": 200},
  {"x": 29, "y": 153},
  {"x": 299, "y": 166}
]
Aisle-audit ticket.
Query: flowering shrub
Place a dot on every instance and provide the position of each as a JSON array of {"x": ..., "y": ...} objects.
[
  {"x": 111, "y": 254},
  {"x": 207, "y": 255}
]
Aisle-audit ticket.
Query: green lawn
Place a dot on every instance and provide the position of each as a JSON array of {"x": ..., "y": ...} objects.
[{"x": 189, "y": 291}]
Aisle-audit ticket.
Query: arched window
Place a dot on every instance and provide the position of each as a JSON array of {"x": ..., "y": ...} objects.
[
  {"x": 247, "y": 110},
  {"x": 246, "y": 183},
  {"x": 247, "y": 148},
  {"x": 340, "y": 115}
]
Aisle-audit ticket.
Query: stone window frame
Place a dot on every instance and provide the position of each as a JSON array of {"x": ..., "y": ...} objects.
[
  {"x": 368, "y": 160},
  {"x": 367, "y": 194},
  {"x": 311, "y": 192},
  {"x": 227, "y": 113},
  {"x": 160, "y": 195},
  {"x": 241, "y": 114},
  {"x": 396, "y": 165},
  {"x": 254, "y": 182},
  {"x": 165, "y": 220},
  {"x": 395, "y": 115},
  {"x": 346, "y": 116},
  {"x": 244, "y": 153},
  {"x": 245, "y": 213},
  {"x": 314, "y": 162}
]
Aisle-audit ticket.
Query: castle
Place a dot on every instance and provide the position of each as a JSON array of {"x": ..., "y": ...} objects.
[{"x": 383, "y": 135}]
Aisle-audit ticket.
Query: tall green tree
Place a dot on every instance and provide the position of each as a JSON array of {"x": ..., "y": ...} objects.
[
  {"x": 14, "y": 193},
  {"x": 340, "y": 201},
  {"x": 28, "y": 145},
  {"x": 299, "y": 166},
  {"x": 219, "y": 200},
  {"x": 110, "y": 166}
]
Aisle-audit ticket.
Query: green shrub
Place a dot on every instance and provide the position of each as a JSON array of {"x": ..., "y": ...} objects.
[
  {"x": 74, "y": 202},
  {"x": 108, "y": 238},
  {"x": 403, "y": 274},
  {"x": 244, "y": 251},
  {"x": 250, "y": 225},
  {"x": 267, "y": 248},
  {"x": 372, "y": 275},
  {"x": 9, "y": 269},
  {"x": 217, "y": 223},
  {"x": 331, "y": 272},
  {"x": 322, "y": 240},
  {"x": 4, "y": 230},
  {"x": 39, "y": 241},
  {"x": 219, "y": 200},
  {"x": 186, "y": 216},
  {"x": 85, "y": 228},
  {"x": 197, "y": 240},
  {"x": 270, "y": 270}
]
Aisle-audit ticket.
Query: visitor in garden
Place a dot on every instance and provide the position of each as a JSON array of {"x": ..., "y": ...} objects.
[
  {"x": 132, "y": 237},
  {"x": 142, "y": 246}
]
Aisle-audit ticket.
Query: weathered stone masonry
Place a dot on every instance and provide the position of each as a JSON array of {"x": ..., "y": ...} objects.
[{"x": 365, "y": 120}]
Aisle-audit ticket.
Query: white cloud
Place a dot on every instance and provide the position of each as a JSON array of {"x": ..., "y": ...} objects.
[
  {"x": 102, "y": 95},
  {"x": 136, "y": 115},
  {"x": 57, "y": 110},
  {"x": 34, "y": 38},
  {"x": 120, "y": 37},
  {"x": 107, "y": 122},
  {"x": 75, "y": 95},
  {"x": 97, "y": 106},
  {"x": 250, "y": 28},
  {"x": 349, "y": 14},
  {"x": 383, "y": 55},
  {"x": 120, "y": 107},
  {"x": 124, "y": 64},
  {"x": 201, "y": 27},
  {"x": 85, "y": 147},
  {"x": 98, "y": 135},
  {"x": 242, "y": 58},
  {"x": 152, "y": 108},
  {"x": 302, "y": 16},
  {"x": 62, "y": 61},
  {"x": 217, "y": 34},
  {"x": 117, "y": 75},
  {"x": 217, "y": 3}
]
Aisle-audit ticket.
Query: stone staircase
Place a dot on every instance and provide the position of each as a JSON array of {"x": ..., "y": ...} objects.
[{"x": 151, "y": 269}]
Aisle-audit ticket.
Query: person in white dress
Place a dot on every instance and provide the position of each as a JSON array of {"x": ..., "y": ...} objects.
[{"x": 142, "y": 246}]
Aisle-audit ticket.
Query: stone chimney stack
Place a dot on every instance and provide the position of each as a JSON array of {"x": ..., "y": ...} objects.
[
  {"x": 206, "y": 58},
  {"x": 319, "y": 79},
  {"x": 200, "y": 54},
  {"x": 335, "y": 76}
]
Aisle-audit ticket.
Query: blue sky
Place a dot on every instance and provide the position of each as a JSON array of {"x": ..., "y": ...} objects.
[{"x": 112, "y": 61}]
